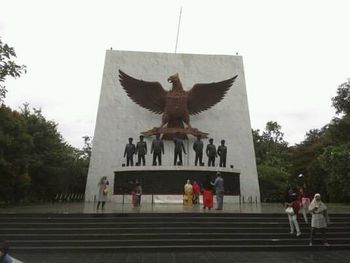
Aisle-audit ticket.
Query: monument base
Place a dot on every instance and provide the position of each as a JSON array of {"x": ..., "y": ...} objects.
[
  {"x": 165, "y": 184},
  {"x": 168, "y": 199}
]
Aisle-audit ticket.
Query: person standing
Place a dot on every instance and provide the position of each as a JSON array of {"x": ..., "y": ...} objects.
[
  {"x": 157, "y": 149},
  {"x": 319, "y": 218},
  {"x": 179, "y": 147},
  {"x": 102, "y": 192},
  {"x": 198, "y": 148},
  {"x": 207, "y": 193},
  {"x": 188, "y": 193},
  {"x": 222, "y": 152},
  {"x": 292, "y": 212},
  {"x": 129, "y": 153},
  {"x": 141, "y": 151},
  {"x": 4, "y": 250},
  {"x": 219, "y": 191},
  {"x": 196, "y": 192},
  {"x": 138, "y": 193},
  {"x": 304, "y": 201},
  {"x": 211, "y": 152}
]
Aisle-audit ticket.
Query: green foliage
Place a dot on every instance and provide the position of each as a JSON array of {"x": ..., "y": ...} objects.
[
  {"x": 322, "y": 159},
  {"x": 341, "y": 102},
  {"x": 273, "y": 182},
  {"x": 336, "y": 162},
  {"x": 272, "y": 161},
  {"x": 15, "y": 149},
  {"x": 8, "y": 67},
  {"x": 35, "y": 162}
]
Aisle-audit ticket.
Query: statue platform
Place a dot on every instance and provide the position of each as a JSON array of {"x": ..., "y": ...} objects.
[{"x": 165, "y": 183}]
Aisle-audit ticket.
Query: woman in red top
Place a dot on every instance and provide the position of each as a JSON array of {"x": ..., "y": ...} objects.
[
  {"x": 196, "y": 191},
  {"x": 207, "y": 194},
  {"x": 292, "y": 217}
]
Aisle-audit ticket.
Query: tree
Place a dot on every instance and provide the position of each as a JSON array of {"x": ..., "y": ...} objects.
[
  {"x": 336, "y": 161},
  {"x": 8, "y": 67},
  {"x": 272, "y": 161},
  {"x": 341, "y": 102},
  {"x": 36, "y": 163},
  {"x": 273, "y": 132},
  {"x": 15, "y": 148},
  {"x": 322, "y": 157},
  {"x": 87, "y": 148}
]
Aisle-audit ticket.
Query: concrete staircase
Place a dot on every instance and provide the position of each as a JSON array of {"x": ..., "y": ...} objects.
[{"x": 162, "y": 232}]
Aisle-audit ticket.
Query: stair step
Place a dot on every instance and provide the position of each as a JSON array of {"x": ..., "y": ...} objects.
[
  {"x": 192, "y": 247},
  {"x": 161, "y": 232}
]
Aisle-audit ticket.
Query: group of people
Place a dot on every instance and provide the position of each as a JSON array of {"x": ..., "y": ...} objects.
[
  {"x": 192, "y": 192},
  {"x": 317, "y": 209},
  {"x": 157, "y": 149},
  {"x": 103, "y": 189}
]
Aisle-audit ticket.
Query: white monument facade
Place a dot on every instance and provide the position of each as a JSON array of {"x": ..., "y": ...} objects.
[{"x": 119, "y": 118}]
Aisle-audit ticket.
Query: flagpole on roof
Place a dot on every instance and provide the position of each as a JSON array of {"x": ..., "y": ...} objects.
[{"x": 178, "y": 30}]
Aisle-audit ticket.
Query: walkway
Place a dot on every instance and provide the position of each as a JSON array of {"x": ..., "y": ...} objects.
[{"x": 82, "y": 207}]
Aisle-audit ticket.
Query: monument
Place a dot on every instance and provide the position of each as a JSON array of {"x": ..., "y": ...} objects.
[{"x": 212, "y": 90}]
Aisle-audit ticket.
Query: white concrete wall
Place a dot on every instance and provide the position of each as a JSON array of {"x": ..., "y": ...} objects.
[{"x": 119, "y": 117}]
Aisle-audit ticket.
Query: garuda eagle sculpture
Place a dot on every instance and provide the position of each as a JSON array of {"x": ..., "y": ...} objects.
[{"x": 176, "y": 104}]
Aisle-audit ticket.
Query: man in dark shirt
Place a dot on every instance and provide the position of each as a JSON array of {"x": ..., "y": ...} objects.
[
  {"x": 211, "y": 152},
  {"x": 129, "y": 153},
  {"x": 157, "y": 149},
  {"x": 141, "y": 151},
  {"x": 179, "y": 147},
  {"x": 198, "y": 148},
  {"x": 222, "y": 152}
]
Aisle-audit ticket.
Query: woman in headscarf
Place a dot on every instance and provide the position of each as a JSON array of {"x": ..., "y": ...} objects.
[
  {"x": 319, "y": 218},
  {"x": 102, "y": 192},
  {"x": 188, "y": 193}
]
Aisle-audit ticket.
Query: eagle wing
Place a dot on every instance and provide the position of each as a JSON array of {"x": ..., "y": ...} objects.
[
  {"x": 203, "y": 96},
  {"x": 149, "y": 95}
]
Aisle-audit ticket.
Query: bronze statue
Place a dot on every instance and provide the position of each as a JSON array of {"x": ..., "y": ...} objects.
[
  {"x": 179, "y": 147},
  {"x": 141, "y": 151},
  {"x": 198, "y": 148},
  {"x": 176, "y": 105},
  {"x": 129, "y": 153},
  {"x": 222, "y": 152},
  {"x": 211, "y": 152},
  {"x": 157, "y": 149}
]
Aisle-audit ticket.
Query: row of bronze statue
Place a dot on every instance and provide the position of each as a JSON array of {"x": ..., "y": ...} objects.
[{"x": 157, "y": 149}]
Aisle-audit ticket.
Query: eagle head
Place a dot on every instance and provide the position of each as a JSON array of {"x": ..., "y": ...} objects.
[{"x": 175, "y": 80}]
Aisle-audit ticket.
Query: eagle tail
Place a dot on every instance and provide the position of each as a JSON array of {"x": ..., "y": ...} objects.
[{"x": 174, "y": 123}]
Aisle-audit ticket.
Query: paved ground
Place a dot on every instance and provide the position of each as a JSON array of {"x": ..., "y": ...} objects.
[
  {"x": 192, "y": 257},
  {"x": 82, "y": 207}
]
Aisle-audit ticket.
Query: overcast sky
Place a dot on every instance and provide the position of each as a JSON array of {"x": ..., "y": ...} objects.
[{"x": 295, "y": 53}]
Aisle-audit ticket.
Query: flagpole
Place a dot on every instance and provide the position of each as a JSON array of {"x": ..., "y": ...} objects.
[{"x": 178, "y": 30}]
